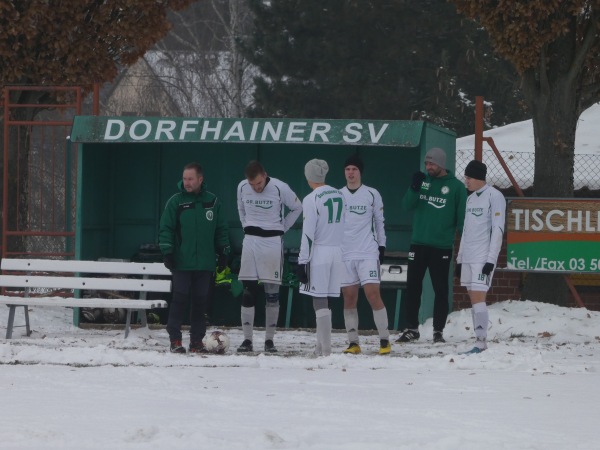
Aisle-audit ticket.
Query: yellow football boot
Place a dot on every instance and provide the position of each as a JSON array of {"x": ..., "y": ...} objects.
[
  {"x": 353, "y": 349},
  {"x": 385, "y": 347}
]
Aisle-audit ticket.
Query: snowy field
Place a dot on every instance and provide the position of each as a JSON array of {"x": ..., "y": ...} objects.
[{"x": 536, "y": 387}]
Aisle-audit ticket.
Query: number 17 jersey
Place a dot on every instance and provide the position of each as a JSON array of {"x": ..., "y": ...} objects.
[{"x": 323, "y": 224}]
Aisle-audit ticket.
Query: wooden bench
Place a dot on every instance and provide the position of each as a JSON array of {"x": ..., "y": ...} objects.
[{"x": 38, "y": 282}]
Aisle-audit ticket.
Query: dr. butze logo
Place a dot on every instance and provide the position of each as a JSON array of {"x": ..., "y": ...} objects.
[{"x": 436, "y": 202}]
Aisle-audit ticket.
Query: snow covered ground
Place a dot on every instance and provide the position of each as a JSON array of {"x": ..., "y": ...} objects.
[{"x": 536, "y": 387}]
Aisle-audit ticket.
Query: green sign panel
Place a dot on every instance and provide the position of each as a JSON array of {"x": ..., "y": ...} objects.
[
  {"x": 179, "y": 129},
  {"x": 553, "y": 235}
]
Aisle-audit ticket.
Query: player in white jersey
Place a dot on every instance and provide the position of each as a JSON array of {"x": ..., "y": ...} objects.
[
  {"x": 362, "y": 251},
  {"x": 480, "y": 245},
  {"x": 320, "y": 266},
  {"x": 261, "y": 204}
]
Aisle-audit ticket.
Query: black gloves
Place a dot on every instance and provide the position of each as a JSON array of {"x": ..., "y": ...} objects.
[
  {"x": 169, "y": 261},
  {"x": 222, "y": 262},
  {"x": 417, "y": 180},
  {"x": 381, "y": 254},
  {"x": 487, "y": 268},
  {"x": 457, "y": 270},
  {"x": 301, "y": 273}
]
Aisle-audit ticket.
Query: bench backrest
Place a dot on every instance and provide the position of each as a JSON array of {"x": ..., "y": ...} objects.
[
  {"x": 33, "y": 280},
  {"x": 106, "y": 267}
]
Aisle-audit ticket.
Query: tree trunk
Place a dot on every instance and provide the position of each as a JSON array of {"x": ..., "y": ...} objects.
[{"x": 555, "y": 115}]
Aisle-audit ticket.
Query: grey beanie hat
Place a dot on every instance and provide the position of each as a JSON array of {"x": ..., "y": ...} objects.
[
  {"x": 315, "y": 170},
  {"x": 436, "y": 156}
]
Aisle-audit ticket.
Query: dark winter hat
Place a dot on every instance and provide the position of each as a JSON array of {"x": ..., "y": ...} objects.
[
  {"x": 315, "y": 170},
  {"x": 476, "y": 170},
  {"x": 436, "y": 156},
  {"x": 355, "y": 160}
]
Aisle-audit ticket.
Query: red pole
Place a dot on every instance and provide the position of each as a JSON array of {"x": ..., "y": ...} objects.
[
  {"x": 479, "y": 128},
  {"x": 5, "y": 94},
  {"x": 96, "y": 104}
]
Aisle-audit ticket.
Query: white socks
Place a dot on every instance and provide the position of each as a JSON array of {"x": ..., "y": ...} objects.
[
  {"x": 324, "y": 331},
  {"x": 271, "y": 316},
  {"x": 351, "y": 321},
  {"x": 480, "y": 323},
  {"x": 381, "y": 322},
  {"x": 247, "y": 322}
]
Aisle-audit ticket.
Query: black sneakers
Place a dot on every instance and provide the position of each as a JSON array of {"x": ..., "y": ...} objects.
[
  {"x": 408, "y": 336},
  {"x": 246, "y": 346},
  {"x": 176, "y": 347},
  {"x": 197, "y": 347},
  {"x": 438, "y": 337},
  {"x": 269, "y": 346}
]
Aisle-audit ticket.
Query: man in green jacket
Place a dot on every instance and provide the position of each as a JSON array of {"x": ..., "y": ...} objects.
[
  {"x": 193, "y": 231},
  {"x": 438, "y": 200}
]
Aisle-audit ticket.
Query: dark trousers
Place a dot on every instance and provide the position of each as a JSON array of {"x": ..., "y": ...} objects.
[
  {"x": 437, "y": 260},
  {"x": 192, "y": 285}
]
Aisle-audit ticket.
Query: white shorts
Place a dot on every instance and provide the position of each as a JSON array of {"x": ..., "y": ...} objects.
[
  {"x": 325, "y": 272},
  {"x": 262, "y": 259},
  {"x": 363, "y": 271},
  {"x": 472, "y": 278}
]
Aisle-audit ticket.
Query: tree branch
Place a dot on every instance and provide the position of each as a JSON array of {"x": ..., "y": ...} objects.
[{"x": 582, "y": 52}]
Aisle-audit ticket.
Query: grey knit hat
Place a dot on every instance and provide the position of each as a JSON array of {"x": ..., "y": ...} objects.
[
  {"x": 436, "y": 156},
  {"x": 315, "y": 170}
]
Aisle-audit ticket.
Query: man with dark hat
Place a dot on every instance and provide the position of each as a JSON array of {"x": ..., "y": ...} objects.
[
  {"x": 438, "y": 202},
  {"x": 480, "y": 245},
  {"x": 362, "y": 252}
]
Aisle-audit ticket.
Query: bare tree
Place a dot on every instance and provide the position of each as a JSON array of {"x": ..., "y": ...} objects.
[{"x": 199, "y": 63}]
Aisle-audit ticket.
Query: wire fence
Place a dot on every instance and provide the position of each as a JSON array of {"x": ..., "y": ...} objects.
[{"x": 522, "y": 166}]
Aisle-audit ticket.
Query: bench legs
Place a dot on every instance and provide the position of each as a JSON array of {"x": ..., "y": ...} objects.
[
  {"x": 141, "y": 313},
  {"x": 11, "y": 321}
]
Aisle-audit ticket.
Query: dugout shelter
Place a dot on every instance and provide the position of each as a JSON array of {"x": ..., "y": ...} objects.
[{"x": 129, "y": 166}]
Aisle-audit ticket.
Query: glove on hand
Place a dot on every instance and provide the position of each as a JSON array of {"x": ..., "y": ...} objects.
[
  {"x": 301, "y": 273},
  {"x": 381, "y": 254},
  {"x": 457, "y": 270},
  {"x": 487, "y": 268},
  {"x": 169, "y": 261},
  {"x": 222, "y": 262},
  {"x": 417, "y": 180}
]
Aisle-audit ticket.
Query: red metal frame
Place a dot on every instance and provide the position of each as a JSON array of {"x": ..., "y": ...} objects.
[{"x": 8, "y": 109}]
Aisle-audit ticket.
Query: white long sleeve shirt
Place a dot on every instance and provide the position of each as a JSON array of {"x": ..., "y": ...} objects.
[
  {"x": 484, "y": 226},
  {"x": 364, "y": 230},
  {"x": 266, "y": 209}
]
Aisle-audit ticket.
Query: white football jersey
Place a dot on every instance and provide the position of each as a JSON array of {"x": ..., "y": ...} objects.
[
  {"x": 481, "y": 238},
  {"x": 266, "y": 209},
  {"x": 364, "y": 229},
  {"x": 323, "y": 224}
]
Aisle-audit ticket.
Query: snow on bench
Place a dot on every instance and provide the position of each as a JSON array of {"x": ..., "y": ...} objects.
[{"x": 30, "y": 280}]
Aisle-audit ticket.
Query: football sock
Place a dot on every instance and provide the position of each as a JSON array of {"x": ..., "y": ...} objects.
[
  {"x": 381, "y": 322},
  {"x": 247, "y": 322},
  {"x": 480, "y": 320},
  {"x": 271, "y": 315},
  {"x": 351, "y": 321},
  {"x": 324, "y": 330}
]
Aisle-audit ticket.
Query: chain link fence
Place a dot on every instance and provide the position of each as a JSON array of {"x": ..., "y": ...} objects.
[{"x": 522, "y": 166}]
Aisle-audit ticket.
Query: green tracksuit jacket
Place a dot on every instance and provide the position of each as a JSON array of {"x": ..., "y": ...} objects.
[
  {"x": 439, "y": 209},
  {"x": 194, "y": 229}
]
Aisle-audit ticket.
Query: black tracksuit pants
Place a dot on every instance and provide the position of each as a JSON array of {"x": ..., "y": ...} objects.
[
  {"x": 437, "y": 260},
  {"x": 193, "y": 285}
]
